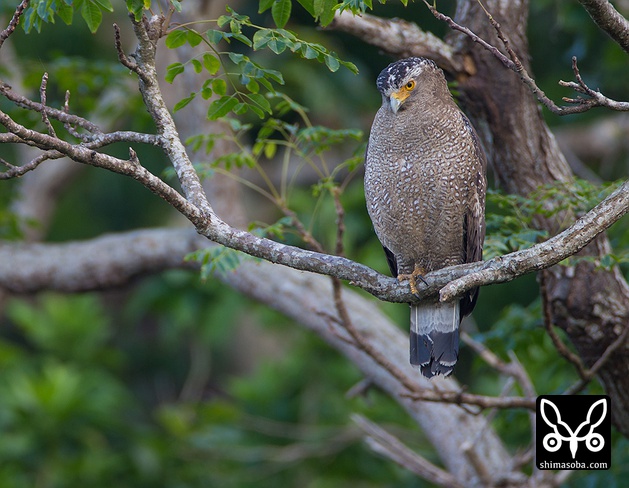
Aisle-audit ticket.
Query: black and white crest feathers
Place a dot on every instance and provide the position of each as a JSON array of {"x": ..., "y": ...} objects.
[{"x": 397, "y": 74}]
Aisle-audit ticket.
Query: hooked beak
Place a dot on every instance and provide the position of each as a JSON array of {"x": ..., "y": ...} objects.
[{"x": 397, "y": 99}]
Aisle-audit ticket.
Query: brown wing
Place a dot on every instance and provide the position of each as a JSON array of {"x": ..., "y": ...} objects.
[{"x": 474, "y": 219}]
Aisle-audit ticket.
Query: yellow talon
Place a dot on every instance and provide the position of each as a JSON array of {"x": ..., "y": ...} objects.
[{"x": 418, "y": 273}]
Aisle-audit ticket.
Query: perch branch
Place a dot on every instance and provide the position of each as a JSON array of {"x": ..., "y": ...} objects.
[
  {"x": 548, "y": 253},
  {"x": 458, "y": 278},
  {"x": 194, "y": 206}
]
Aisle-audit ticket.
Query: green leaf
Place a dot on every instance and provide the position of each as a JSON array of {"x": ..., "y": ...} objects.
[
  {"x": 215, "y": 36},
  {"x": 194, "y": 38},
  {"x": 221, "y": 107},
  {"x": 274, "y": 75},
  {"x": 106, "y": 5},
  {"x": 237, "y": 58},
  {"x": 45, "y": 12},
  {"x": 308, "y": 52},
  {"x": 327, "y": 10},
  {"x": 261, "y": 38},
  {"x": 332, "y": 62},
  {"x": 278, "y": 46},
  {"x": 242, "y": 38},
  {"x": 253, "y": 86},
  {"x": 308, "y": 5},
  {"x": 211, "y": 63},
  {"x": 219, "y": 86},
  {"x": 136, "y": 7},
  {"x": 182, "y": 103},
  {"x": 265, "y": 5},
  {"x": 241, "y": 108},
  {"x": 176, "y": 38},
  {"x": 281, "y": 12},
  {"x": 218, "y": 259},
  {"x": 270, "y": 149},
  {"x": 257, "y": 110},
  {"x": 223, "y": 20},
  {"x": 260, "y": 101},
  {"x": 198, "y": 67},
  {"x": 350, "y": 66},
  {"x": 92, "y": 15},
  {"x": 206, "y": 90},
  {"x": 65, "y": 13},
  {"x": 172, "y": 71}
]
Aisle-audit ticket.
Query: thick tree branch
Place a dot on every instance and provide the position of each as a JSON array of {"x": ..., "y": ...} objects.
[
  {"x": 401, "y": 39},
  {"x": 609, "y": 20},
  {"x": 115, "y": 259},
  {"x": 101, "y": 263}
]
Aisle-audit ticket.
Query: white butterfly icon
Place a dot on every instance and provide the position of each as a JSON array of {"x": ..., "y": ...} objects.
[{"x": 562, "y": 432}]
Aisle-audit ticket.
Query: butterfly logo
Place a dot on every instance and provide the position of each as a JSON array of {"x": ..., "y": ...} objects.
[{"x": 562, "y": 432}]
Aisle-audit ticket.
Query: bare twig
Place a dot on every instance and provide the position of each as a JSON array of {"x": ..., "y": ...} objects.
[
  {"x": 620, "y": 341},
  {"x": 554, "y": 337},
  {"x": 69, "y": 127},
  {"x": 122, "y": 57},
  {"x": 482, "y": 401},
  {"x": 513, "y": 63},
  {"x": 85, "y": 155},
  {"x": 42, "y": 96},
  {"x": 17, "y": 171},
  {"x": 21, "y": 101},
  {"x": 363, "y": 344},
  {"x": 340, "y": 221},
  {"x": 5, "y": 33},
  {"x": 597, "y": 99}
]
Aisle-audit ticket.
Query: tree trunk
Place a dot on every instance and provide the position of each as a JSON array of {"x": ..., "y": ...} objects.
[{"x": 590, "y": 305}]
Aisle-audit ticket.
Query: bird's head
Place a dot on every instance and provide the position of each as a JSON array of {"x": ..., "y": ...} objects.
[{"x": 400, "y": 82}]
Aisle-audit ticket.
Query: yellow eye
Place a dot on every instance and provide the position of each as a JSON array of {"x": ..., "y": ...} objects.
[{"x": 410, "y": 85}]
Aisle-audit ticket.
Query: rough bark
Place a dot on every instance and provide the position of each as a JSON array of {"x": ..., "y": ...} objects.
[
  {"x": 609, "y": 20},
  {"x": 591, "y": 305}
]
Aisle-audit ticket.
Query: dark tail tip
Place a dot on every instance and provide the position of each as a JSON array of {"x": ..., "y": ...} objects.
[{"x": 435, "y": 353}]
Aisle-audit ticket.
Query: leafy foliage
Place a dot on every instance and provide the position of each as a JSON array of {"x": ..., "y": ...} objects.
[
  {"x": 510, "y": 218},
  {"x": 95, "y": 416},
  {"x": 255, "y": 84}
]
